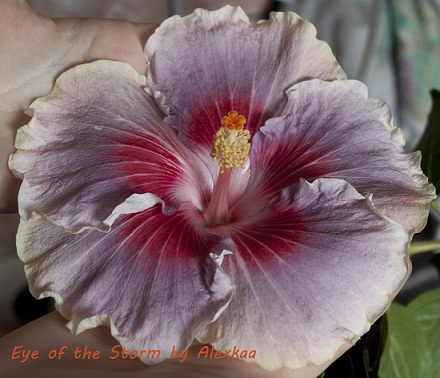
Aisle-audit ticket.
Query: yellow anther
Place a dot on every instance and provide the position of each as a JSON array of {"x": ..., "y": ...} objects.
[{"x": 231, "y": 143}]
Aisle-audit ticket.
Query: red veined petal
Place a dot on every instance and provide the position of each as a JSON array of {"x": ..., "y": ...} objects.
[
  {"x": 334, "y": 130},
  {"x": 209, "y": 63},
  {"x": 311, "y": 274},
  {"x": 151, "y": 277},
  {"x": 94, "y": 141}
]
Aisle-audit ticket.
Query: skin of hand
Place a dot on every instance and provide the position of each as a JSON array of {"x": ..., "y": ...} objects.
[{"x": 34, "y": 51}]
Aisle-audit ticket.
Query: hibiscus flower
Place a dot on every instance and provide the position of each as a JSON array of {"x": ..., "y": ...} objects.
[{"x": 243, "y": 194}]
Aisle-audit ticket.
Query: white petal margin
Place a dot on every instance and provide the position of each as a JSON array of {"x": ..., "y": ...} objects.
[
  {"x": 209, "y": 63},
  {"x": 95, "y": 140},
  {"x": 312, "y": 275},
  {"x": 150, "y": 278}
]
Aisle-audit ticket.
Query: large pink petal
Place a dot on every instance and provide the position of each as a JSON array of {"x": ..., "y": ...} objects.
[
  {"x": 334, "y": 130},
  {"x": 311, "y": 274},
  {"x": 209, "y": 63},
  {"x": 94, "y": 141},
  {"x": 151, "y": 277}
]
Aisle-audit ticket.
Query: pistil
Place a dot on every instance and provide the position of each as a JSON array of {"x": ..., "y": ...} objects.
[
  {"x": 218, "y": 208},
  {"x": 230, "y": 149}
]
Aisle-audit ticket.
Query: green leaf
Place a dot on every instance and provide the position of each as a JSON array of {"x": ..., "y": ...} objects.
[
  {"x": 413, "y": 341},
  {"x": 429, "y": 144}
]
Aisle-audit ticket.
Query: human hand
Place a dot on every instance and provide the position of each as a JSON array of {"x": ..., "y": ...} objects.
[{"x": 34, "y": 51}]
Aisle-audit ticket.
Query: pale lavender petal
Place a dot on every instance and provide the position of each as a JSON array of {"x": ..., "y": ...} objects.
[
  {"x": 334, "y": 130},
  {"x": 312, "y": 274},
  {"x": 209, "y": 63},
  {"x": 94, "y": 141},
  {"x": 151, "y": 277}
]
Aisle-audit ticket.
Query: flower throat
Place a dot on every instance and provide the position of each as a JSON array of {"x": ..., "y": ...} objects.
[{"x": 230, "y": 149}]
